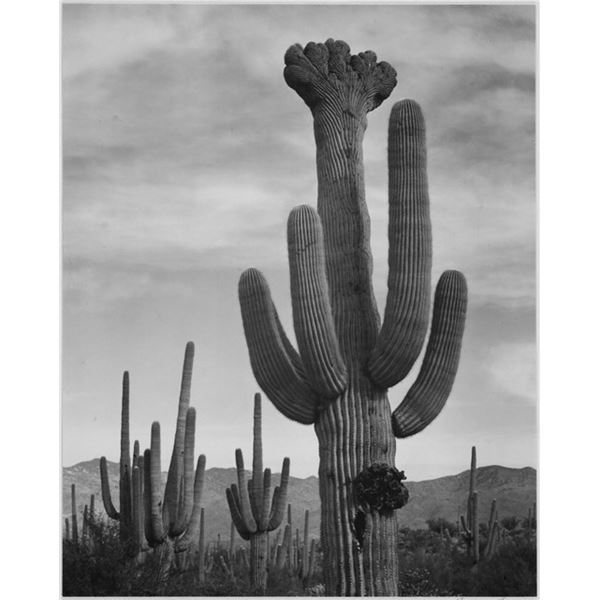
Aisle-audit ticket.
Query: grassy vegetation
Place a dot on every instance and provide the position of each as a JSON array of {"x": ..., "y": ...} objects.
[{"x": 432, "y": 563}]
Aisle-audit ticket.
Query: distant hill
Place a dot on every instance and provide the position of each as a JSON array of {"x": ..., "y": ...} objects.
[{"x": 514, "y": 490}]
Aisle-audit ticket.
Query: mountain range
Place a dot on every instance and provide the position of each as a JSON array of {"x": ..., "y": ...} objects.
[{"x": 513, "y": 489}]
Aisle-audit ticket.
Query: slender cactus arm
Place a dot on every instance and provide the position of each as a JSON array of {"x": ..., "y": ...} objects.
[
  {"x": 255, "y": 489},
  {"x": 186, "y": 494},
  {"x": 428, "y": 395},
  {"x": 263, "y": 522},
  {"x": 280, "y": 497},
  {"x": 192, "y": 531},
  {"x": 232, "y": 496},
  {"x": 276, "y": 373},
  {"x": 157, "y": 531},
  {"x": 109, "y": 507},
  {"x": 313, "y": 319},
  {"x": 243, "y": 496},
  {"x": 407, "y": 308}
]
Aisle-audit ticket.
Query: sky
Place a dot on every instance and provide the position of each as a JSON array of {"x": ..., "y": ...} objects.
[{"x": 183, "y": 153}]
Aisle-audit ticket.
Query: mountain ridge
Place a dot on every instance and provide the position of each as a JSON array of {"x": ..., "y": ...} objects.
[{"x": 513, "y": 488}]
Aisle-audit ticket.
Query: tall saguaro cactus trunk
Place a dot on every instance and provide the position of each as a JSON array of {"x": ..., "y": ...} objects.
[{"x": 347, "y": 359}]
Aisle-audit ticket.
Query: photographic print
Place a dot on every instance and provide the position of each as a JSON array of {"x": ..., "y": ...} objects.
[{"x": 299, "y": 351}]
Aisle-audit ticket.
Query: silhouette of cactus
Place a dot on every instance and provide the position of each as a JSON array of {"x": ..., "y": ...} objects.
[
  {"x": 338, "y": 378},
  {"x": 253, "y": 511},
  {"x": 172, "y": 522}
]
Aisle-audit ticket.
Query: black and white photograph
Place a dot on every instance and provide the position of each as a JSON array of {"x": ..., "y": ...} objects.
[{"x": 299, "y": 299}]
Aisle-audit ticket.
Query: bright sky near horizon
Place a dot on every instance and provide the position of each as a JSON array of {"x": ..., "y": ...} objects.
[{"x": 183, "y": 153}]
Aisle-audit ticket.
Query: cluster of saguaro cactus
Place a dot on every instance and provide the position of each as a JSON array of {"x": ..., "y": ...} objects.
[
  {"x": 470, "y": 524},
  {"x": 252, "y": 509},
  {"x": 298, "y": 556},
  {"x": 146, "y": 517},
  {"x": 346, "y": 359}
]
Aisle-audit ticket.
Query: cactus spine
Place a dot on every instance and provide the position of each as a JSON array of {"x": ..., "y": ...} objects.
[
  {"x": 252, "y": 509},
  {"x": 346, "y": 361}
]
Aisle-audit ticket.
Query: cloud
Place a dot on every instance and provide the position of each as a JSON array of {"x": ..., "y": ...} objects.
[{"x": 184, "y": 151}]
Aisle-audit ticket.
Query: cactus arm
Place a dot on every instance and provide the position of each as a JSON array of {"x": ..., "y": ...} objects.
[
  {"x": 280, "y": 497},
  {"x": 256, "y": 488},
  {"x": 243, "y": 497},
  {"x": 263, "y": 523},
  {"x": 311, "y": 560},
  {"x": 136, "y": 486},
  {"x": 201, "y": 565},
  {"x": 109, "y": 507},
  {"x": 276, "y": 373},
  {"x": 285, "y": 544},
  {"x": 428, "y": 395},
  {"x": 175, "y": 474},
  {"x": 407, "y": 307},
  {"x": 232, "y": 496},
  {"x": 74, "y": 514},
  {"x": 475, "y": 527},
  {"x": 304, "y": 572},
  {"x": 313, "y": 319},
  {"x": 186, "y": 497},
  {"x": 156, "y": 521},
  {"x": 192, "y": 530}
]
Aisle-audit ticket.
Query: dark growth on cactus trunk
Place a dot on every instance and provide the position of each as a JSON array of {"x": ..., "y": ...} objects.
[{"x": 380, "y": 488}]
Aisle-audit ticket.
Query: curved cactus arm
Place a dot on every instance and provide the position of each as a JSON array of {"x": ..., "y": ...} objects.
[
  {"x": 409, "y": 280},
  {"x": 193, "y": 525},
  {"x": 255, "y": 489},
  {"x": 274, "y": 370},
  {"x": 280, "y": 497},
  {"x": 175, "y": 474},
  {"x": 243, "y": 497},
  {"x": 157, "y": 530},
  {"x": 109, "y": 507},
  {"x": 187, "y": 486},
  {"x": 232, "y": 496},
  {"x": 313, "y": 319},
  {"x": 427, "y": 396}
]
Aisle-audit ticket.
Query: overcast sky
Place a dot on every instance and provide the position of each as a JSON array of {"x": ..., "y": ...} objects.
[{"x": 183, "y": 153}]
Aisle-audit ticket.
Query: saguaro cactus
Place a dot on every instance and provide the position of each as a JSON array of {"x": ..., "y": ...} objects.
[
  {"x": 173, "y": 522},
  {"x": 252, "y": 509},
  {"x": 338, "y": 378},
  {"x": 128, "y": 527}
]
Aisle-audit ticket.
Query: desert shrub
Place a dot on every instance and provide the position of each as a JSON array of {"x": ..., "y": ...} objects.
[
  {"x": 440, "y": 524},
  {"x": 510, "y": 572},
  {"x": 428, "y": 566},
  {"x": 509, "y": 523},
  {"x": 101, "y": 565}
]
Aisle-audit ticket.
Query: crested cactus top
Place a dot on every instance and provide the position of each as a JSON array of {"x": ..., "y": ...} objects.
[{"x": 329, "y": 72}]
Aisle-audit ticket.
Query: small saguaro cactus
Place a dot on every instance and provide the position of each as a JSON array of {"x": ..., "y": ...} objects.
[
  {"x": 252, "y": 509},
  {"x": 347, "y": 359},
  {"x": 74, "y": 530},
  {"x": 172, "y": 522}
]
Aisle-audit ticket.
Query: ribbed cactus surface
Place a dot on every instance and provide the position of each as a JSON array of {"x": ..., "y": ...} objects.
[{"x": 346, "y": 359}]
